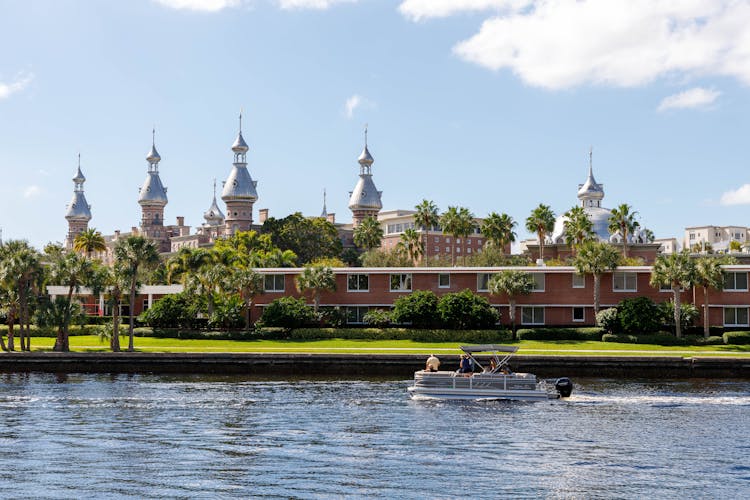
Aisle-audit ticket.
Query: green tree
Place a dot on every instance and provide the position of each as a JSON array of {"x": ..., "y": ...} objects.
[
  {"x": 89, "y": 241},
  {"x": 464, "y": 310},
  {"x": 513, "y": 283},
  {"x": 249, "y": 285},
  {"x": 20, "y": 275},
  {"x": 498, "y": 229},
  {"x": 675, "y": 270},
  {"x": 410, "y": 244},
  {"x": 133, "y": 254},
  {"x": 596, "y": 258},
  {"x": 709, "y": 274},
  {"x": 74, "y": 271},
  {"x": 578, "y": 228},
  {"x": 426, "y": 217},
  {"x": 368, "y": 234},
  {"x": 459, "y": 223},
  {"x": 187, "y": 261},
  {"x": 309, "y": 239},
  {"x": 316, "y": 280},
  {"x": 735, "y": 246},
  {"x": 419, "y": 308},
  {"x": 541, "y": 222},
  {"x": 113, "y": 281},
  {"x": 622, "y": 220}
]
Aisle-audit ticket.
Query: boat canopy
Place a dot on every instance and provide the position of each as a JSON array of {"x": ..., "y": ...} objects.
[{"x": 488, "y": 348}]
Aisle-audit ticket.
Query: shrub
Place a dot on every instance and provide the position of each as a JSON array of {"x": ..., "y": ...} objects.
[
  {"x": 332, "y": 316},
  {"x": 560, "y": 333},
  {"x": 287, "y": 312},
  {"x": 737, "y": 338},
  {"x": 712, "y": 340},
  {"x": 608, "y": 320},
  {"x": 624, "y": 339},
  {"x": 227, "y": 313},
  {"x": 638, "y": 315},
  {"x": 688, "y": 314},
  {"x": 660, "y": 339},
  {"x": 418, "y": 308},
  {"x": 457, "y": 336},
  {"x": 378, "y": 317},
  {"x": 171, "y": 311},
  {"x": 464, "y": 310}
]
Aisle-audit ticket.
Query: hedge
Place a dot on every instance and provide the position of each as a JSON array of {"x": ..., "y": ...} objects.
[
  {"x": 623, "y": 339},
  {"x": 737, "y": 338},
  {"x": 417, "y": 335},
  {"x": 590, "y": 333}
]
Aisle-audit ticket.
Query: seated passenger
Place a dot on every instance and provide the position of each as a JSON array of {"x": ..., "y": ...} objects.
[
  {"x": 433, "y": 363},
  {"x": 465, "y": 366}
]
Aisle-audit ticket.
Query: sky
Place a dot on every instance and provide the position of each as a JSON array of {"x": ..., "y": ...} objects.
[{"x": 489, "y": 104}]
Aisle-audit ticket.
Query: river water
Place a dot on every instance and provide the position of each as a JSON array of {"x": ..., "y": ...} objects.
[{"x": 106, "y": 436}]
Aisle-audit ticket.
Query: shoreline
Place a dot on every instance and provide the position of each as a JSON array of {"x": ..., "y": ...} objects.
[{"x": 403, "y": 365}]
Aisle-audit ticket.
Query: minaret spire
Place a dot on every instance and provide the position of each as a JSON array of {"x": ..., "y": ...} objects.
[
  {"x": 591, "y": 160},
  {"x": 325, "y": 210}
]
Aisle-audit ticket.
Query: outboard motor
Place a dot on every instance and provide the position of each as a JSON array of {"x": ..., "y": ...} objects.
[{"x": 564, "y": 387}]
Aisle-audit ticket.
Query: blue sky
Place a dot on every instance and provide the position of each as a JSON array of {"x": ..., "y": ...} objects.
[{"x": 489, "y": 104}]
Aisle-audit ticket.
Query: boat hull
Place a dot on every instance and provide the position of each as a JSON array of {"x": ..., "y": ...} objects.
[
  {"x": 479, "y": 394},
  {"x": 449, "y": 385}
]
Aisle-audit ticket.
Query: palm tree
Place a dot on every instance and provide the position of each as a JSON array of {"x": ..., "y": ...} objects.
[
  {"x": 676, "y": 270},
  {"x": 709, "y": 274},
  {"x": 578, "y": 228},
  {"x": 426, "y": 217},
  {"x": 316, "y": 279},
  {"x": 368, "y": 234},
  {"x": 89, "y": 241},
  {"x": 458, "y": 222},
  {"x": 542, "y": 222},
  {"x": 411, "y": 245},
  {"x": 596, "y": 258},
  {"x": 112, "y": 280},
  {"x": 71, "y": 270},
  {"x": 512, "y": 283},
  {"x": 498, "y": 229},
  {"x": 20, "y": 272},
  {"x": 132, "y": 254},
  {"x": 249, "y": 284},
  {"x": 186, "y": 261},
  {"x": 622, "y": 220}
]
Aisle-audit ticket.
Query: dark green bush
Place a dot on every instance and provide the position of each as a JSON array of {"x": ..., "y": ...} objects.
[
  {"x": 737, "y": 338},
  {"x": 418, "y": 309},
  {"x": 227, "y": 313},
  {"x": 99, "y": 320},
  {"x": 661, "y": 339},
  {"x": 712, "y": 340},
  {"x": 287, "y": 312},
  {"x": 608, "y": 320},
  {"x": 623, "y": 339},
  {"x": 171, "y": 311},
  {"x": 591, "y": 333},
  {"x": 688, "y": 314},
  {"x": 334, "y": 316},
  {"x": 466, "y": 310},
  {"x": 457, "y": 336},
  {"x": 639, "y": 315}
]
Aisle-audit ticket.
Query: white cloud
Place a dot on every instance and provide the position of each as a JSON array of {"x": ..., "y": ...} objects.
[
  {"x": 422, "y": 9},
  {"x": 310, "y": 4},
  {"x": 32, "y": 192},
  {"x": 20, "y": 83},
  {"x": 355, "y": 102},
  {"x": 740, "y": 196},
  {"x": 697, "y": 97},
  {"x": 199, "y": 5},
  {"x": 558, "y": 44}
]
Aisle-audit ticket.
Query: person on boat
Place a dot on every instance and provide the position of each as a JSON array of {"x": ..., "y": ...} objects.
[
  {"x": 465, "y": 366},
  {"x": 433, "y": 363}
]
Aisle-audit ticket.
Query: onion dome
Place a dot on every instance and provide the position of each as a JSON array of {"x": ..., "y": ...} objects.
[
  {"x": 591, "y": 190},
  {"x": 214, "y": 216},
  {"x": 78, "y": 208},
  {"x": 79, "y": 178},
  {"x": 240, "y": 146},
  {"x": 365, "y": 195},
  {"x": 239, "y": 185},
  {"x": 153, "y": 155},
  {"x": 366, "y": 158}
]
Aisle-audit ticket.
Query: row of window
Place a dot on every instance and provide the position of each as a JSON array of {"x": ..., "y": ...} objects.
[{"x": 621, "y": 282}]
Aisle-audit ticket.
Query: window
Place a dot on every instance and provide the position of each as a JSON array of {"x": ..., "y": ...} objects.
[
  {"x": 532, "y": 315},
  {"x": 274, "y": 283},
  {"x": 447, "y": 249},
  {"x": 357, "y": 283},
  {"x": 458, "y": 241},
  {"x": 483, "y": 280},
  {"x": 468, "y": 250},
  {"x": 356, "y": 314},
  {"x": 145, "y": 305},
  {"x": 538, "y": 282},
  {"x": 668, "y": 288},
  {"x": 447, "y": 240},
  {"x": 437, "y": 239},
  {"x": 624, "y": 282},
  {"x": 692, "y": 236},
  {"x": 735, "y": 281},
  {"x": 401, "y": 282},
  {"x": 578, "y": 314},
  {"x": 437, "y": 249},
  {"x": 735, "y": 316},
  {"x": 444, "y": 280},
  {"x": 579, "y": 280}
]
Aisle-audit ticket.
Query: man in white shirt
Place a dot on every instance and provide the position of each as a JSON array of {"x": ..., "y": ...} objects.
[{"x": 433, "y": 363}]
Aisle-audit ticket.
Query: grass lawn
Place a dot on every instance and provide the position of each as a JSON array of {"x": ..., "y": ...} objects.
[{"x": 91, "y": 343}]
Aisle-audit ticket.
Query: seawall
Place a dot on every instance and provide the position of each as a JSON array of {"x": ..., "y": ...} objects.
[{"x": 391, "y": 365}]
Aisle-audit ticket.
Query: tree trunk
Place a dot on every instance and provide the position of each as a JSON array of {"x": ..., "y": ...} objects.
[
  {"x": 62, "y": 344},
  {"x": 2, "y": 342},
  {"x": 706, "y": 326},
  {"x": 512, "y": 314},
  {"x": 114, "y": 342},
  {"x": 625, "y": 243},
  {"x": 677, "y": 325},
  {"x": 131, "y": 326},
  {"x": 248, "y": 305},
  {"x": 597, "y": 287},
  {"x": 540, "y": 235},
  {"x": 11, "y": 335},
  {"x": 316, "y": 302}
]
